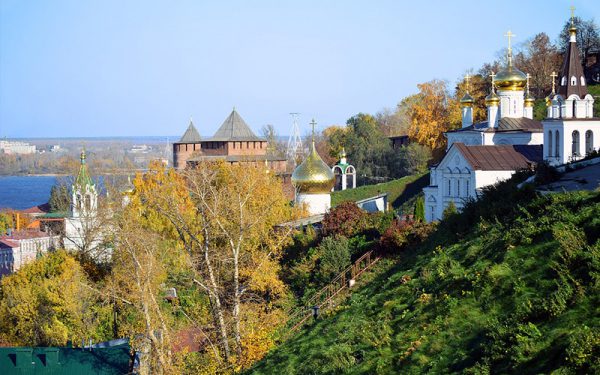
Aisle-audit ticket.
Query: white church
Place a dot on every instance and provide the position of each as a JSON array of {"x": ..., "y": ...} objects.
[
  {"x": 484, "y": 153},
  {"x": 83, "y": 231}
]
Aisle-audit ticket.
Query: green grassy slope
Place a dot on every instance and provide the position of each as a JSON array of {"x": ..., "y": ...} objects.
[
  {"x": 399, "y": 190},
  {"x": 519, "y": 293}
]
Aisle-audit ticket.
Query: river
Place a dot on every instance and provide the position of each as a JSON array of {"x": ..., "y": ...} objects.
[{"x": 21, "y": 192}]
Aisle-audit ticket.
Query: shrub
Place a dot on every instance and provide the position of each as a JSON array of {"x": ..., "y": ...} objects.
[
  {"x": 394, "y": 238},
  {"x": 449, "y": 211},
  {"x": 334, "y": 252},
  {"x": 420, "y": 209},
  {"x": 345, "y": 220}
]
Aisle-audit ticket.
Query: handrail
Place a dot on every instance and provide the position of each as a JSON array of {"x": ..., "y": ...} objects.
[{"x": 324, "y": 296}]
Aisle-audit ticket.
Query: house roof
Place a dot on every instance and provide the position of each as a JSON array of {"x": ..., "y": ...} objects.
[
  {"x": 501, "y": 157},
  {"x": 39, "y": 209},
  {"x": 506, "y": 124},
  {"x": 191, "y": 135},
  {"x": 234, "y": 128}
]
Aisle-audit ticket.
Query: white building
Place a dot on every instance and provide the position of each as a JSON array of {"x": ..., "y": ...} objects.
[
  {"x": 22, "y": 247},
  {"x": 484, "y": 153},
  {"x": 15, "y": 147},
  {"x": 313, "y": 181},
  {"x": 570, "y": 130}
]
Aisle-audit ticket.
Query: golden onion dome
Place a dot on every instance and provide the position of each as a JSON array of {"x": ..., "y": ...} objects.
[
  {"x": 548, "y": 100},
  {"x": 511, "y": 78},
  {"x": 467, "y": 100},
  {"x": 313, "y": 176},
  {"x": 529, "y": 100},
  {"x": 492, "y": 99}
]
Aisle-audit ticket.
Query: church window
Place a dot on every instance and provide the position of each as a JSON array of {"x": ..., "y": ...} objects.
[
  {"x": 514, "y": 106},
  {"x": 563, "y": 81},
  {"x": 573, "y": 81},
  {"x": 88, "y": 202},
  {"x": 575, "y": 145},
  {"x": 449, "y": 191},
  {"x": 457, "y": 193},
  {"x": 557, "y": 145},
  {"x": 582, "y": 81},
  {"x": 550, "y": 143},
  {"x": 589, "y": 142},
  {"x": 574, "y": 108},
  {"x": 466, "y": 188}
]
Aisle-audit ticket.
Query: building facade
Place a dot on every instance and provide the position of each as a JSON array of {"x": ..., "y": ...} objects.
[
  {"x": 234, "y": 142},
  {"x": 22, "y": 247}
]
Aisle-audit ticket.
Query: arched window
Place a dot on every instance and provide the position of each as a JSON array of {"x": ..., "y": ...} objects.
[
  {"x": 589, "y": 142},
  {"x": 574, "y": 107},
  {"x": 457, "y": 193},
  {"x": 573, "y": 81},
  {"x": 575, "y": 144},
  {"x": 557, "y": 145},
  {"x": 88, "y": 202},
  {"x": 449, "y": 191},
  {"x": 582, "y": 81},
  {"x": 549, "y": 143},
  {"x": 563, "y": 81}
]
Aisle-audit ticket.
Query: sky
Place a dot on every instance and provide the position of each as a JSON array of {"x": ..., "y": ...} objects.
[{"x": 143, "y": 68}]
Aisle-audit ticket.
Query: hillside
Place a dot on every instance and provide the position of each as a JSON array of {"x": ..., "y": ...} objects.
[
  {"x": 511, "y": 286},
  {"x": 399, "y": 190}
]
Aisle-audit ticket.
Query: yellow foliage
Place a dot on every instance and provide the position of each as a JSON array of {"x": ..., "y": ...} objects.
[{"x": 429, "y": 115}]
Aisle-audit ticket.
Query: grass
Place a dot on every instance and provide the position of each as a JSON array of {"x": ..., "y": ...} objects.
[
  {"x": 399, "y": 191},
  {"x": 516, "y": 294}
]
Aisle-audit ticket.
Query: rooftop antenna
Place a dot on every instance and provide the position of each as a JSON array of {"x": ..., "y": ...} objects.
[{"x": 295, "y": 150}]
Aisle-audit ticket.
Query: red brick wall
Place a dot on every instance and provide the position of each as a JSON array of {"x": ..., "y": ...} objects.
[{"x": 182, "y": 152}]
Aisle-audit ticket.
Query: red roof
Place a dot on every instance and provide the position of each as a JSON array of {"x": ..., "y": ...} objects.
[
  {"x": 501, "y": 157},
  {"x": 39, "y": 209},
  {"x": 24, "y": 235}
]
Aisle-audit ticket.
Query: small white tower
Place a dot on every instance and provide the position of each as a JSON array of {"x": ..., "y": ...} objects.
[
  {"x": 529, "y": 102},
  {"x": 467, "y": 106},
  {"x": 491, "y": 102},
  {"x": 313, "y": 181},
  {"x": 345, "y": 174}
]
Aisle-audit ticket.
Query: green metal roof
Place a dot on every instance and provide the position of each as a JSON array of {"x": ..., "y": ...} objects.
[
  {"x": 83, "y": 177},
  {"x": 65, "y": 361}
]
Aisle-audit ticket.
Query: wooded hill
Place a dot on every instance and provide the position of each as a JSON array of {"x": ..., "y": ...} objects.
[{"x": 510, "y": 286}]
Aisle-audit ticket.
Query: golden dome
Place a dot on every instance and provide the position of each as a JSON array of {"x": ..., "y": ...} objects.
[
  {"x": 313, "y": 176},
  {"x": 511, "y": 78},
  {"x": 492, "y": 99},
  {"x": 548, "y": 101},
  {"x": 529, "y": 100},
  {"x": 467, "y": 100}
]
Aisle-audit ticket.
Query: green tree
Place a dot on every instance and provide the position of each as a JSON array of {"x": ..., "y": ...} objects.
[
  {"x": 420, "y": 209},
  {"x": 334, "y": 252},
  {"x": 412, "y": 159},
  {"x": 6, "y": 222},
  {"x": 449, "y": 210},
  {"x": 60, "y": 199}
]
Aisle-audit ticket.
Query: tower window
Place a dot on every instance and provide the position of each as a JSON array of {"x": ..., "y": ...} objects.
[
  {"x": 563, "y": 81},
  {"x": 582, "y": 81},
  {"x": 573, "y": 81},
  {"x": 575, "y": 145}
]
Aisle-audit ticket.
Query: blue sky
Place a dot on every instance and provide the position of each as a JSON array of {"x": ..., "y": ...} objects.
[{"x": 122, "y": 68}]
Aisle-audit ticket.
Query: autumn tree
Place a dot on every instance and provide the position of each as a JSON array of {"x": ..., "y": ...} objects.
[
  {"x": 224, "y": 216},
  {"x": 429, "y": 115},
  {"x": 478, "y": 87},
  {"x": 539, "y": 57},
  {"x": 46, "y": 303}
]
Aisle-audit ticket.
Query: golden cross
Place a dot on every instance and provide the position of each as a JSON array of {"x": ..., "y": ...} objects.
[
  {"x": 572, "y": 14},
  {"x": 313, "y": 123},
  {"x": 509, "y": 35},
  {"x": 467, "y": 78},
  {"x": 553, "y": 75},
  {"x": 493, "y": 75}
]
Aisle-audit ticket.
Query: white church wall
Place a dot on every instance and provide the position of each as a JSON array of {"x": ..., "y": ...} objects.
[
  {"x": 486, "y": 178},
  {"x": 565, "y": 129},
  {"x": 471, "y": 138},
  {"x": 315, "y": 203}
]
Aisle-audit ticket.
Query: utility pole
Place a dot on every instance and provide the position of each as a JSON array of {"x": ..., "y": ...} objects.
[{"x": 295, "y": 150}]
